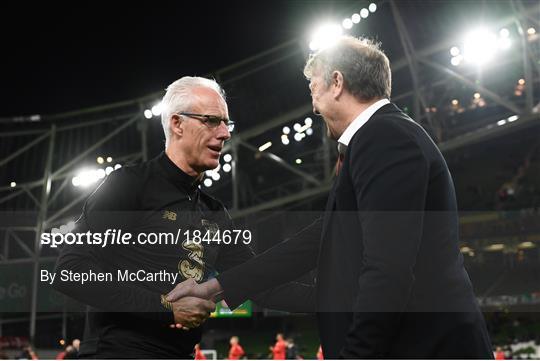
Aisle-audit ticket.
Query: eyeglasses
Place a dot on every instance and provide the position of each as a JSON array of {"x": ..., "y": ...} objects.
[{"x": 212, "y": 121}]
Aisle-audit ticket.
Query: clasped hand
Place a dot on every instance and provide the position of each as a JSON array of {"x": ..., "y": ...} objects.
[{"x": 192, "y": 303}]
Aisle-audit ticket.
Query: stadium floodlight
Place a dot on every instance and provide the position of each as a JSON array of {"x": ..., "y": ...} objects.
[
  {"x": 227, "y": 168},
  {"x": 454, "y": 51},
  {"x": 100, "y": 160},
  {"x": 526, "y": 245},
  {"x": 308, "y": 121},
  {"x": 85, "y": 178},
  {"x": 298, "y": 161},
  {"x": 118, "y": 166},
  {"x": 325, "y": 36},
  {"x": 480, "y": 46},
  {"x": 156, "y": 109},
  {"x": 356, "y": 18},
  {"x": 309, "y": 131},
  {"x": 298, "y": 137},
  {"x": 109, "y": 159},
  {"x": 13, "y": 184},
  {"x": 216, "y": 176},
  {"x": 347, "y": 23},
  {"x": 297, "y": 127},
  {"x": 513, "y": 118},
  {"x": 148, "y": 114},
  {"x": 495, "y": 247},
  {"x": 504, "y": 43},
  {"x": 265, "y": 146},
  {"x": 285, "y": 140},
  {"x": 100, "y": 173},
  {"x": 109, "y": 170},
  {"x": 286, "y": 130},
  {"x": 372, "y": 7},
  {"x": 227, "y": 157},
  {"x": 456, "y": 60},
  {"x": 364, "y": 13},
  {"x": 207, "y": 182}
]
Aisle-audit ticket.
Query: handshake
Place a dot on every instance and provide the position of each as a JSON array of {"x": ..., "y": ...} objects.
[{"x": 192, "y": 303}]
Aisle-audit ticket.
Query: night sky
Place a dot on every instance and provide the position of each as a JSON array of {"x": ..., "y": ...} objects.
[{"x": 57, "y": 58}]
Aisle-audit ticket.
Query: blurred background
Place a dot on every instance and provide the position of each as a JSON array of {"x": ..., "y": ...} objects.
[{"x": 80, "y": 98}]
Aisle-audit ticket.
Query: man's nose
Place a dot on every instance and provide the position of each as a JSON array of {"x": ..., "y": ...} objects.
[{"x": 223, "y": 132}]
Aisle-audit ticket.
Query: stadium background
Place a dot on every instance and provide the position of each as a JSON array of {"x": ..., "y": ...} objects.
[{"x": 484, "y": 118}]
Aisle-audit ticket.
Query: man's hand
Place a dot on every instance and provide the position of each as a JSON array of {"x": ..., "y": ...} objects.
[
  {"x": 210, "y": 290},
  {"x": 191, "y": 312}
]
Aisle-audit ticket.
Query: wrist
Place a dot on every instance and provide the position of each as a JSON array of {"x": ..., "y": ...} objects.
[{"x": 213, "y": 289}]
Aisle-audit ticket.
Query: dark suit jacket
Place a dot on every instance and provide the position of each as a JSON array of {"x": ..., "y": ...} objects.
[{"x": 390, "y": 276}]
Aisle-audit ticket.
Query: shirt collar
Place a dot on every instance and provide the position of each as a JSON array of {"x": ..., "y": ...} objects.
[
  {"x": 176, "y": 175},
  {"x": 360, "y": 120}
]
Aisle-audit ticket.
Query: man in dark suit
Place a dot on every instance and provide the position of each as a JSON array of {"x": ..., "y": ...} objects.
[{"x": 390, "y": 275}]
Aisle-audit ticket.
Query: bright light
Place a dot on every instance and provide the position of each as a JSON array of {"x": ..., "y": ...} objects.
[
  {"x": 364, "y": 13},
  {"x": 501, "y": 122},
  {"x": 454, "y": 51},
  {"x": 100, "y": 173},
  {"x": 85, "y": 178},
  {"x": 526, "y": 245},
  {"x": 13, "y": 184},
  {"x": 109, "y": 159},
  {"x": 355, "y": 18},
  {"x": 285, "y": 140},
  {"x": 372, "y": 7},
  {"x": 309, "y": 131},
  {"x": 531, "y": 31},
  {"x": 298, "y": 161},
  {"x": 297, "y": 126},
  {"x": 227, "y": 168},
  {"x": 156, "y": 109},
  {"x": 286, "y": 130},
  {"x": 215, "y": 176},
  {"x": 308, "y": 121},
  {"x": 208, "y": 182},
  {"x": 265, "y": 146},
  {"x": 504, "y": 33},
  {"x": 227, "y": 158},
  {"x": 504, "y": 43},
  {"x": 495, "y": 247},
  {"x": 476, "y": 95},
  {"x": 298, "y": 137},
  {"x": 117, "y": 166},
  {"x": 109, "y": 170},
  {"x": 347, "y": 23},
  {"x": 456, "y": 60},
  {"x": 100, "y": 160},
  {"x": 521, "y": 81},
  {"x": 148, "y": 114},
  {"x": 325, "y": 36},
  {"x": 513, "y": 118},
  {"x": 455, "y": 102},
  {"x": 480, "y": 46}
]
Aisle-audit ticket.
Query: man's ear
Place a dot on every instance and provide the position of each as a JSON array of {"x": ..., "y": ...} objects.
[
  {"x": 337, "y": 83},
  {"x": 175, "y": 124}
]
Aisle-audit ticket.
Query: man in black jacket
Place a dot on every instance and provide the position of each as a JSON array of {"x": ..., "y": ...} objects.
[
  {"x": 390, "y": 275},
  {"x": 130, "y": 318}
]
